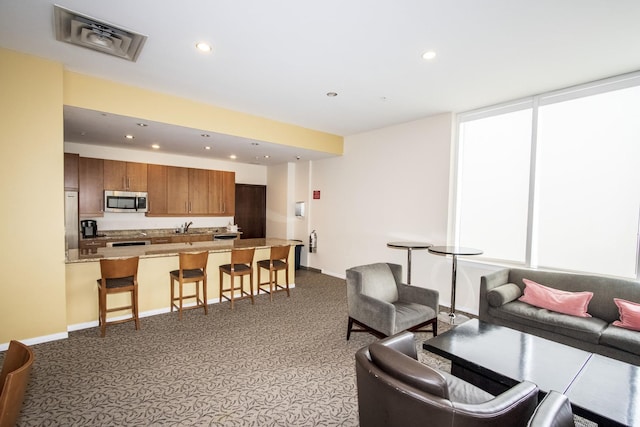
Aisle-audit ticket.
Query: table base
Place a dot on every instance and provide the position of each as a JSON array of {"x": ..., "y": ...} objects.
[{"x": 452, "y": 318}]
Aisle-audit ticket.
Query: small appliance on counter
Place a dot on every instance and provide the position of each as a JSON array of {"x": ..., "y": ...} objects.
[{"x": 89, "y": 228}]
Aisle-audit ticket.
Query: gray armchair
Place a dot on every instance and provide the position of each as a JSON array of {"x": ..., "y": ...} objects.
[
  {"x": 395, "y": 389},
  {"x": 381, "y": 304}
]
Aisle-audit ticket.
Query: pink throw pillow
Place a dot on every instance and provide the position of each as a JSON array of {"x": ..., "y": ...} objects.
[
  {"x": 629, "y": 314},
  {"x": 572, "y": 303}
]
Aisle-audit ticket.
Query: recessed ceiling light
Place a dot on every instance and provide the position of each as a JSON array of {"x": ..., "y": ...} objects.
[
  {"x": 129, "y": 136},
  {"x": 205, "y": 135},
  {"x": 233, "y": 156},
  {"x": 267, "y": 156},
  {"x": 204, "y": 47},
  {"x": 255, "y": 143},
  {"x": 332, "y": 94},
  {"x": 143, "y": 125},
  {"x": 428, "y": 55},
  {"x": 207, "y": 148},
  {"x": 155, "y": 146}
]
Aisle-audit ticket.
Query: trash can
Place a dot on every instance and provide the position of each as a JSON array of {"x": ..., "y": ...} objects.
[{"x": 298, "y": 249}]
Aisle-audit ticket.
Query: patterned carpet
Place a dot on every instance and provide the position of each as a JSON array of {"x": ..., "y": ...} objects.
[{"x": 280, "y": 363}]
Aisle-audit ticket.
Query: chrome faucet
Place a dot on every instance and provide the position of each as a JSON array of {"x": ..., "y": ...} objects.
[{"x": 186, "y": 226}]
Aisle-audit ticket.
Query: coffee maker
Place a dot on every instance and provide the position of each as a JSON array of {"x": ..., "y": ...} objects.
[{"x": 89, "y": 228}]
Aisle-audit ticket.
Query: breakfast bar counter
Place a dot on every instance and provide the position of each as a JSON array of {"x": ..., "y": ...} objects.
[
  {"x": 171, "y": 249},
  {"x": 156, "y": 261}
]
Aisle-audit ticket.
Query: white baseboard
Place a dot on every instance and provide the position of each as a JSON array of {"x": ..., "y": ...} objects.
[
  {"x": 38, "y": 340},
  {"x": 93, "y": 324}
]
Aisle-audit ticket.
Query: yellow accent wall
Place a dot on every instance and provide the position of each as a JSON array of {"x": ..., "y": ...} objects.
[
  {"x": 34, "y": 295},
  {"x": 107, "y": 96},
  {"x": 32, "y": 289}
]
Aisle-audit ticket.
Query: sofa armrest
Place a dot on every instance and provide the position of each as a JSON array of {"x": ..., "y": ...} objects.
[
  {"x": 418, "y": 295},
  {"x": 487, "y": 283}
]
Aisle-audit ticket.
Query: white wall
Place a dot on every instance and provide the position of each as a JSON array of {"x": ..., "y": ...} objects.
[{"x": 391, "y": 184}]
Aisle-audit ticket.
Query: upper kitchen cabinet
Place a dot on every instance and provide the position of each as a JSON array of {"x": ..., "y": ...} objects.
[
  {"x": 198, "y": 191},
  {"x": 90, "y": 183},
  {"x": 125, "y": 176},
  {"x": 178, "y": 191},
  {"x": 157, "y": 190},
  {"x": 187, "y": 191},
  {"x": 71, "y": 171},
  {"x": 222, "y": 193}
]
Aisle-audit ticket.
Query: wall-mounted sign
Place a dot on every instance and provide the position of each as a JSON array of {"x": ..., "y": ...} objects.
[{"x": 316, "y": 194}]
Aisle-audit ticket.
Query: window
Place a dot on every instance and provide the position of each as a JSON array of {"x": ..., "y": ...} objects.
[{"x": 554, "y": 181}]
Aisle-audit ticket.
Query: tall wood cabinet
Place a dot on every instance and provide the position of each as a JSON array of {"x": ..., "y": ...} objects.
[
  {"x": 91, "y": 186},
  {"x": 71, "y": 171}
]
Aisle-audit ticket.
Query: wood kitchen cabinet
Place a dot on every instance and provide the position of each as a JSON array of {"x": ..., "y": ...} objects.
[
  {"x": 222, "y": 193},
  {"x": 187, "y": 190},
  {"x": 157, "y": 190},
  {"x": 177, "y": 190},
  {"x": 91, "y": 188},
  {"x": 125, "y": 176},
  {"x": 198, "y": 191},
  {"x": 71, "y": 171}
]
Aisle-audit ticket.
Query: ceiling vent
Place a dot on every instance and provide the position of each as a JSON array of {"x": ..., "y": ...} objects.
[{"x": 81, "y": 30}]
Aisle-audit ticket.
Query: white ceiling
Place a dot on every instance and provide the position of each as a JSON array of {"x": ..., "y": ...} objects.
[{"x": 278, "y": 59}]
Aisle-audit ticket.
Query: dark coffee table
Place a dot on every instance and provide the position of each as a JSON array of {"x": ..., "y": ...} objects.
[
  {"x": 495, "y": 358},
  {"x": 609, "y": 390}
]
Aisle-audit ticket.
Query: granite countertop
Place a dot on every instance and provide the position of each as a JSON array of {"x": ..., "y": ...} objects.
[
  {"x": 172, "y": 249},
  {"x": 144, "y": 234}
]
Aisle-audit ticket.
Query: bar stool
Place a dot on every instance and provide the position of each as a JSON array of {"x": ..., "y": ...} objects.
[
  {"x": 241, "y": 265},
  {"x": 193, "y": 269},
  {"x": 118, "y": 275},
  {"x": 278, "y": 260}
]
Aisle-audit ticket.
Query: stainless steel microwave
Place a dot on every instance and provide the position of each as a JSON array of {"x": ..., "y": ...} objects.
[{"x": 125, "y": 201}]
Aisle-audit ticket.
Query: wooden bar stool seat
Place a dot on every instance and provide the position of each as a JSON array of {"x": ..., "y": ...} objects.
[
  {"x": 118, "y": 275},
  {"x": 193, "y": 269},
  {"x": 278, "y": 260},
  {"x": 241, "y": 265}
]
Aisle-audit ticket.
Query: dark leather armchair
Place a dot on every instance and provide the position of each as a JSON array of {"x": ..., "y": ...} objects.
[
  {"x": 395, "y": 389},
  {"x": 380, "y": 303},
  {"x": 553, "y": 411},
  {"x": 14, "y": 378}
]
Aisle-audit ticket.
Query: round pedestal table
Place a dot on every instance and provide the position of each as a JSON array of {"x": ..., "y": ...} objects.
[
  {"x": 452, "y": 317},
  {"x": 409, "y": 246}
]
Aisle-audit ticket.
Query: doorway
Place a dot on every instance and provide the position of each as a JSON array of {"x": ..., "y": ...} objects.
[{"x": 251, "y": 210}]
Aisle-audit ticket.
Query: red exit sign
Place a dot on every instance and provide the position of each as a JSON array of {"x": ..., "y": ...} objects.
[{"x": 316, "y": 194}]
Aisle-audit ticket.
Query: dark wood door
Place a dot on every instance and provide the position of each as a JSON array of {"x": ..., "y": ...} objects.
[{"x": 251, "y": 210}]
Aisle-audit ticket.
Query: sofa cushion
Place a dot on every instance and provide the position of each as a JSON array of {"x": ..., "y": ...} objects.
[
  {"x": 583, "y": 328},
  {"x": 572, "y": 303},
  {"x": 623, "y": 339},
  {"x": 408, "y": 370},
  {"x": 409, "y": 314},
  {"x": 629, "y": 314},
  {"x": 378, "y": 282},
  {"x": 503, "y": 294}
]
